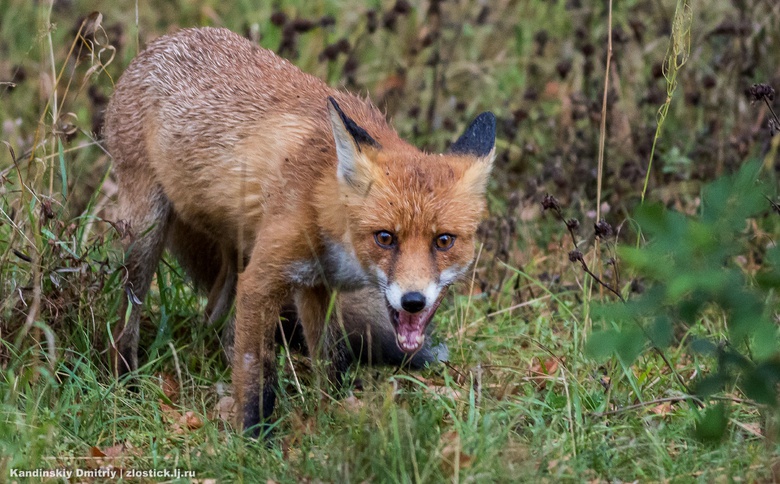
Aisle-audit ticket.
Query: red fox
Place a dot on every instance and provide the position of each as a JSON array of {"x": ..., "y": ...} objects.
[{"x": 227, "y": 152}]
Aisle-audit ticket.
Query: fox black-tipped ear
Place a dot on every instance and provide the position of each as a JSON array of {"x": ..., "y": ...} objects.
[
  {"x": 359, "y": 135},
  {"x": 353, "y": 167},
  {"x": 479, "y": 139}
]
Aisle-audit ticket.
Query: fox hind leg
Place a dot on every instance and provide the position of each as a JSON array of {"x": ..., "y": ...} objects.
[
  {"x": 212, "y": 267},
  {"x": 325, "y": 340},
  {"x": 148, "y": 216}
]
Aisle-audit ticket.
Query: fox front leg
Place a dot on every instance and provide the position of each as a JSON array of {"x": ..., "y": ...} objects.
[{"x": 254, "y": 357}]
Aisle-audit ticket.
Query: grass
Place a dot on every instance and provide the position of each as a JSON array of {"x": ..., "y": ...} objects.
[{"x": 518, "y": 399}]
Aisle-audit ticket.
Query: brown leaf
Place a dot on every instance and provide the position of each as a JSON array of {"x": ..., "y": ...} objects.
[
  {"x": 117, "y": 450},
  {"x": 95, "y": 451},
  {"x": 452, "y": 454},
  {"x": 170, "y": 412},
  {"x": 541, "y": 371},
  {"x": 190, "y": 420},
  {"x": 443, "y": 391},
  {"x": 662, "y": 409},
  {"x": 352, "y": 404},
  {"x": 169, "y": 385},
  {"x": 226, "y": 409},
  {"x": 302, "y": 424}
]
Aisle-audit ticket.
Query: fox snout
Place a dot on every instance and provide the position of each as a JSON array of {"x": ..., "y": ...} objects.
[
  {"x": 413, "y": 302},
  {"x": 412, "y": 298}
]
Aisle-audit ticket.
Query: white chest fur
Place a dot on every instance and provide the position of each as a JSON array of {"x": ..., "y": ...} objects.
[{"x": 337, "y": 268}]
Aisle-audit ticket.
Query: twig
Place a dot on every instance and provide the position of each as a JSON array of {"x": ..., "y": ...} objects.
[
  {"x": 575, "y": 256},
  {"x": 550, "y": 203},
  {"x": 603, "y": 229},
  {"x": 603, "y": 127},
  {"x": 681, "y": 398},
  {"x": 775, "y": 205},
  {"x": 635, "y": 406}
]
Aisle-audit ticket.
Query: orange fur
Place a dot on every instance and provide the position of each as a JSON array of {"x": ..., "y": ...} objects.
[{"x": 214, "y": 137}]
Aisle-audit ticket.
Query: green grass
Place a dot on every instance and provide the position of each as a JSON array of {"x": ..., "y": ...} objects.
[{"x": 519, "y": 400}]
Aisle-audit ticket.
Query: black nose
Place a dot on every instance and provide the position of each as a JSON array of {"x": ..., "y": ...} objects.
[{"x": 413, "y": 302}]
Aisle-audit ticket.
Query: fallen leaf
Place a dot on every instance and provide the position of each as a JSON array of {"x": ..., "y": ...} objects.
[
  {"x": 180, "y": 423},
  {"x": 443, "y": 391},
  {"x": 95, "y": 451},
  {"x": 117, "y": 450},
  {"x": 662, "y": 409},
  {"x": 226, "y": 409},
  {"x": 169, "y": 411},
  {"x": 169, "y": 385},
  {"x": 452, "y": 454},
  {"x": 302, "y": 424},
  {"x": 751, "y": 428},
  {"x": 352, "y": 404},
  {"x": 541, "y": 371},
  {"x": 190, "y": 420}
]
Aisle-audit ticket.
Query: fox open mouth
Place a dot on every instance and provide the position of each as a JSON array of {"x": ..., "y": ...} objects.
[{"x": 410, "y": 327}]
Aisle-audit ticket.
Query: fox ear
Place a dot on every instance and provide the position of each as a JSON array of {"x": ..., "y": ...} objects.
[
  {"x": 353, "y": 166},
  {"x": 479, "y": 141}
]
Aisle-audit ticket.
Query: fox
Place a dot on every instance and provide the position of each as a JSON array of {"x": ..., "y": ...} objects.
[{"x": 296, "y": 191}]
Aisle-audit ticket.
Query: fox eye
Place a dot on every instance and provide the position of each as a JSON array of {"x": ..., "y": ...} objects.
[
  {"x": 385, "y": 239},
  {"x": 444, "y": 241}
]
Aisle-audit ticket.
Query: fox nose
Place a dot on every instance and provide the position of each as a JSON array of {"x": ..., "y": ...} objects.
[{"x": 413, "y": 302}]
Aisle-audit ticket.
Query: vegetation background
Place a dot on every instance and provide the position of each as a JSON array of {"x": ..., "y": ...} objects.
[{"x": 679, "y": 383}]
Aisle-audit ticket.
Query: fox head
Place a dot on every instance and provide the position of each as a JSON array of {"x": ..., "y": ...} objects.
[{"x": 411, "y": 216}]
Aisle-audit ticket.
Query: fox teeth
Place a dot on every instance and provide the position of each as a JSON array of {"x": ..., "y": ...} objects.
[
  {"x": 401, "y": 338},
  {"x": 420, "y": 338}
]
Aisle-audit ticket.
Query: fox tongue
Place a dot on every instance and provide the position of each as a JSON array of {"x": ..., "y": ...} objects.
[{"x": 410, "y": 331}]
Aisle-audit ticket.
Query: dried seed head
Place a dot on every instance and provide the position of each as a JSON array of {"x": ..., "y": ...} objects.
[
  {"x": 657, "y": 71},
  {"x": 603, "y": 229},
  {"x": 350, "y": 66},
  {"x": 371, "y": 21},
  {"x": 549, "y": 202},
  {"x": 587, "y": 49},
  {"x": 575, "y": 256},
  {"x": 541, "y": 37},
  {"x": 330, "y": 53},
  {"x": 637, "y": 286},
  {"x": 563, "y": 67},
  {"x": 278, "y": 18},
  {"x": 760, "y": 92},
  {"x": 389, "y": 20},
  {"x": 402, "y": 7},
  {"x": 483, "y": 15},
  {"x": 709, "y": 81},
  {"x": 46, "y": 209},
  {"x": 327, "y": 21},
  {"x": 520, "y": 115},
  {"x": 343, "y": 45},
  {"x": 573, "y": 224},
  {"x": 303, "y": 25}
]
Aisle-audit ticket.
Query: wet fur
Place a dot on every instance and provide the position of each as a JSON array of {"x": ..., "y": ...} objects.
[{"x": 225, "y": 152}]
